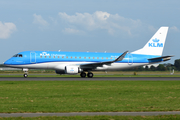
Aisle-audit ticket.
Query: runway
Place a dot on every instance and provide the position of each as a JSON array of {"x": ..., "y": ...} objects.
[
  {"x": 89, "y": 79},
  {"x": 90, "y": 114}
]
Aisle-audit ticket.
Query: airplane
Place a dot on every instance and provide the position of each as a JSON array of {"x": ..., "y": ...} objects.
[{"x": 86, "y": 62}]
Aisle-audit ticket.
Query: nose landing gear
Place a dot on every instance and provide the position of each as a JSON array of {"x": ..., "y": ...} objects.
[
  {"x": 25, "y": 72},
  {"x": 25, "y": 75}
]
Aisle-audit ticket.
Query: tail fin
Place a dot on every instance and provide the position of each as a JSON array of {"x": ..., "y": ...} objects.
[{"x": 155, "y": 45}]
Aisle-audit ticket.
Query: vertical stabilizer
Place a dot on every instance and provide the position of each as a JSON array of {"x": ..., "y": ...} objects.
[{"x": 155, "y": 45}]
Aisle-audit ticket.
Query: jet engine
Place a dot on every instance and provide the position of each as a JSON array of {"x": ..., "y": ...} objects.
[
  {"x": 69, "y": 70},
  {"x": 72, "y": 69}
]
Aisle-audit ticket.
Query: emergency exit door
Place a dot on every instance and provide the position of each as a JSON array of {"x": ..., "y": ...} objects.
[{"x": 32, "y": 57}]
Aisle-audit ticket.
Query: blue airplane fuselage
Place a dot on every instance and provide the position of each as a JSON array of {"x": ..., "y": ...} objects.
[{"x": 31, "y": 58}]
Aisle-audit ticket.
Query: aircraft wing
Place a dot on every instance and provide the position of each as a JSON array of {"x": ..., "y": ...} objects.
[{"x": 100, "y": 64}]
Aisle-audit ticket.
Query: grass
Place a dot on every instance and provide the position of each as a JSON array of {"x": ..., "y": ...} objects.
[
  {"x": 160, "y": 117},
  {"x": 88, "y": 96}
]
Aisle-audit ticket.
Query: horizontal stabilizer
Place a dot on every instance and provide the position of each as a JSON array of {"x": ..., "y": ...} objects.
[{"x": 157, "y": 59}]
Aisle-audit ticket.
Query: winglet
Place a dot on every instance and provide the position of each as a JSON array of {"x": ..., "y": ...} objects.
[{"x": 120, "y": 58}]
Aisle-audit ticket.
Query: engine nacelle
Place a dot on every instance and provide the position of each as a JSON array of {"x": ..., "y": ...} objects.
[
  {"x": 69, "y": 70},
  {"x": 72, "y": 69}
]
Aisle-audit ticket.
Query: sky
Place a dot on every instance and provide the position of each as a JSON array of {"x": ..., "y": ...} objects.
[{"x": 86, "y": 25}]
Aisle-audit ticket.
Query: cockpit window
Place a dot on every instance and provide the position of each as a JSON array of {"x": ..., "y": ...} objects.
[
  {"x": 15, "y": 55},
  {"x": 18, "y": 55}
]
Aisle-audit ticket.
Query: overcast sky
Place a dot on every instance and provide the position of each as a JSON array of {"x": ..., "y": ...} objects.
[{"x": 86, "y": 25}]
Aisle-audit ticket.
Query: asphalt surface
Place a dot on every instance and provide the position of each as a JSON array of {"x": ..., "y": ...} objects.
[
  {"x": 88, "y": 79},
  {"x": 89, "y": 114}
]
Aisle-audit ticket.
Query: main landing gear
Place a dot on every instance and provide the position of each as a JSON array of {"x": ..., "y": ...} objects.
[{"x": 89, "y": 75}]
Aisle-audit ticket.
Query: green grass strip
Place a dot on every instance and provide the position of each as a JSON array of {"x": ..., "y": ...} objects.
[
  {"x": 88, "y": 96},
  {"x": 160, "y": 117}
]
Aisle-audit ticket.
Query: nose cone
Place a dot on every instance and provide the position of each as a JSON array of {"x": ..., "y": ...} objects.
[{"x": 8, "y": 62}]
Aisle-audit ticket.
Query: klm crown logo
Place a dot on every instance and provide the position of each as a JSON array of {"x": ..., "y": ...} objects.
[
  {"x": 155, "y": 43},
  {"x": 155, "y": 40}
]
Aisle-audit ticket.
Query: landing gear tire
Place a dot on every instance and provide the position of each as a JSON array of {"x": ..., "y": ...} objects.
[
  {"x": 83, "y": 74},
  {"x": 90, "y": 74},
  {"x": 25, "y": 75}
]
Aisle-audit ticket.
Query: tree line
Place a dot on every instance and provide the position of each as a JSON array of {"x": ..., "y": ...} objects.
[{"x": 160, "y": 67}]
